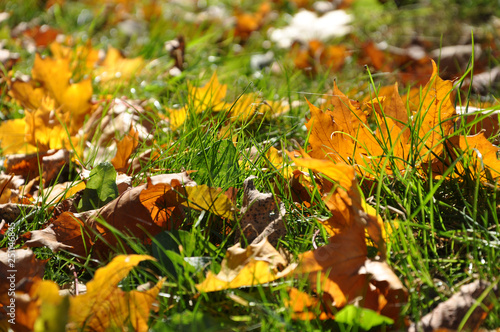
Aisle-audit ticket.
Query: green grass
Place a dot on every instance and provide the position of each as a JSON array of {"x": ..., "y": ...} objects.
[{"x": 446, "y": 231}]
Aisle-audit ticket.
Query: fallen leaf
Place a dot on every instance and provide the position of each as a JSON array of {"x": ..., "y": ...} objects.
[
  {"x": 448, "y": 315},
  {"x": 485, "y": 154},
  {"x": 41, "y": 35},
  {"x": 12, "y": 133},
  {"x": 125, "y": 147},
  {"x": 258, "y": 263},
  {"x": 205, "y": 198},
  {"x": 247, "y": 23},
  {"x": 209, "y": 96},
  {"x": 142, "y": 211},
  {"x": 105, "y": 306},
  {"x": 115, "y": 68},
  {"x": 262, "y": 216},
  {"x": 115, "y": 119},
  {"x": 28, "y": 166},
  {"x": 315, "y": 56},
  {"x": 45, "y": 237},
  {"x": 305, "y": 306},
  {"x": 82, "y": 57},
  {"x": 16, "y": 267},
  {"x": 341, "y": 268},
  {"x": 432, "y": 109}
]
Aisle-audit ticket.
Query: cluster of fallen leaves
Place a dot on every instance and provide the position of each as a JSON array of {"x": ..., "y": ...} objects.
[
  {"x": 87, "y": 215},
  {"x": 341, "y": 132},
  {"x": 63, "y": 114}
]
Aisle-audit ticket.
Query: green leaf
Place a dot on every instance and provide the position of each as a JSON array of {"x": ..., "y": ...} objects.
[
  {"x": 217, "y": 165},
  {"x": 101, "y": 187},
  {"x": 364, "y": 318}
]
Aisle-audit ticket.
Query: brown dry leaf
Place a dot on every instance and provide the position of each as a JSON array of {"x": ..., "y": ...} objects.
[
  {"x": 41, "y": 36},
  {"x": 67, "y": 232},
  {"x": 73, "y": 233},
  {"x": 9, "y": 188},
  {"x": 46, "y": 237},
  {"x": 410, "y": 64},
  {"x": 448, "y": 315},
  {"x": 341, "y": 268},
  {"x": 142, "y": 211},
  {"x": 21, "y": 263},
  {"x": 28, "y": 166},
  {"x": 105, "y": 306},
  {"x": 256, "y": 264},
  {"x": 262, "y": 218}
]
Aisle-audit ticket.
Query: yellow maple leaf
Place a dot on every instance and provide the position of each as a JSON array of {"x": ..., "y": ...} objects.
[
  {"x": 115, "y": 67},
  {"x": 105, "y": 306},
  {"x": 12, "y": 134},
  {"x": 432, "y": 109},
  {"x": 211, "y": 95},
  {"x": 80, "y": 56}
]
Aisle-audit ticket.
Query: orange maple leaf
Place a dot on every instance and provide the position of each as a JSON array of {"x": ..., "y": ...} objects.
[{"x": 341, "y": 268}]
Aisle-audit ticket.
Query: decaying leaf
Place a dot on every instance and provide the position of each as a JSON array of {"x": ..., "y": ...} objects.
[
  {"x": 23, "y": 265},
  {"x": 449, "y": 315},
  {"x": 262, "y": 217},
  {"x": 256, "y": 264},
  {"x": 142, "y": 211},
  {"x": 119, "y": 121},
  {"x": 28, "y": 166},
  {"x": 46, "y": 237}
]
